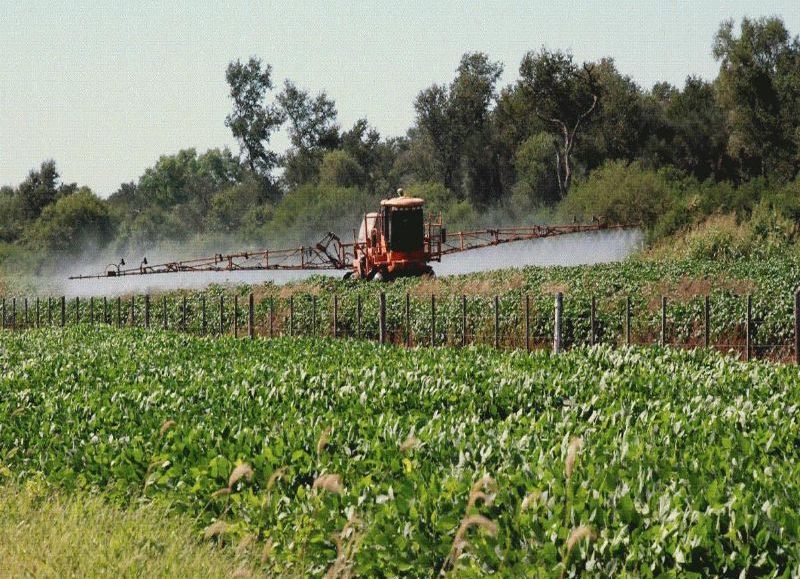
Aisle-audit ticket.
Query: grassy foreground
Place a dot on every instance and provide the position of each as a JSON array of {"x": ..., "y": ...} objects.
[
  {"x": 345, "y": 457},
  {"x": 55, "y": 534}
]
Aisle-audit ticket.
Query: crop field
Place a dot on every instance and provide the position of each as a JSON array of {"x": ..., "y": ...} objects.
[
  {"x": 341, "y": 457},
  {"x": 307, "y": 308}
]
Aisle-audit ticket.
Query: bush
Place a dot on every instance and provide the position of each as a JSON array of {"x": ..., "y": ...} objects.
[
  {"x": 340, "y": 169},
  {"x": 536, "y": 181},
  {"x": 620, "y": 193},
  {"x": 439, "y": 199},
  {"x": 71, "y": 223}
]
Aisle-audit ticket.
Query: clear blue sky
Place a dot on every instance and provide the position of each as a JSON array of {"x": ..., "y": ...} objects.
[{"x": 105, "y": 90}]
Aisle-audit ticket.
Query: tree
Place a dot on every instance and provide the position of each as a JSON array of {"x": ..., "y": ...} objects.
[
  {"x": 455, "y": 122},
  {"x": 312, "y": 121},
  {"x": 620, "y": 193},
  {"x": 378, "y": 158},
  {"x": 563, "y": 96},
  {"x": 340, "y": 169},
  {"x": 312, "y": 131},
  {"x": 71, "y": 223},
  {"x": 698, "y": 124},
  {"x": 435, "y": 123},
  {"x": 253, "y": 121},
  {"x": 40, "y": 189},
  {"x": 759, "y": 87},
  {"x": 536, "y": 184}
]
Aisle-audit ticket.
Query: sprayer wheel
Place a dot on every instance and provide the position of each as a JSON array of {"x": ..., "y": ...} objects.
[{"x": 348, "y": 274}]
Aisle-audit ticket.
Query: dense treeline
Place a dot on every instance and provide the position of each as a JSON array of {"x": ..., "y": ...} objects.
[{"x": 566, "y": 139}]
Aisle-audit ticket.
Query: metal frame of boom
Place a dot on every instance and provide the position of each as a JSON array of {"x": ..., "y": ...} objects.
[{"x": 331, "y": 253}]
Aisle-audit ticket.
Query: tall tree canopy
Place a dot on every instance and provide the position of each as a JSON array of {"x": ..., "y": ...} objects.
[
  {"x": 253, "y": 119},
  {"x": 454, "y": 122},
  {"x": 759, "y": 86},
  {"x": 564, "y": 95}
]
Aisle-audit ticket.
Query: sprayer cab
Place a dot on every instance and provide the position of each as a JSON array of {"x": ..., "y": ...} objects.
[{"x": 395, "y": 241}]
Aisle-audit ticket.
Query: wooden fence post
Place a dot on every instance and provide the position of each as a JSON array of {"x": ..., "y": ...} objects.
[
  {"x": 63, "y": 311},
  {"x": 559, "y": 311},
  {"x": 91, "y": 310},
  {"x": 797, "y": 327},
  {"x": 164, "y": 313},
  {"x": 147, "y": 311},
  {"x": 119, "y": 312},
  {"x": 49, "y": 312},
  {"x": 335, "y": 329},
  {"x": 628, "y": 320},
  {"x": 77, "y": 310},
  {"x": 26, "y": 313},
  {"x": 105, "y": 310},
  {"x": 382, "y": 319},
  {"x": 749, "y": 329},
  {"x": 496, "y": 321},
  {"x": 38, "y": 319},
  {"x": 433, "y": 320},
  {"x": 593, "y": 321},
  {"x": 13, "y": 313},
  {"x": 463, "y": 320},
  {"x": 527, "y": 323},
  {"x": 663, "y": 320},
  {"x": 251, "y": 316},
  {"x": 203, "y": 317}
]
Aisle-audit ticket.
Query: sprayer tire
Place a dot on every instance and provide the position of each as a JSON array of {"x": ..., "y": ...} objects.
[
  {"x": 348, "y": 274},
  {"x": 379, "y": 276}
]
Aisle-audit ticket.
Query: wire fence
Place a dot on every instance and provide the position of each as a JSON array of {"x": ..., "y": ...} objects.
[{"x": 503, "y": 322}]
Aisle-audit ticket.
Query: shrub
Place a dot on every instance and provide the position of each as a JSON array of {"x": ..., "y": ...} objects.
[{"x": 620, "y": 193}]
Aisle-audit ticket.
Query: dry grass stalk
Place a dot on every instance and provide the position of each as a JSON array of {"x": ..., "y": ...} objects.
[
  {"x": 243, "y": 470},
  {"x": 243, "y": 546},
  {"x": 579, "y": 534},
  {"x": 215, "y": 529},
  {"x": 476, "y": 496},
  {"x": 275, "y": 477},
  {"x": 347, "y": 542},
  {"x": 575, "y": 446},
  {"x": 409, "y": 444},
  {"x": 530, "y": 500},
  {"x": 324, "y": 438},
  {"x": 167, "y": 424},
  {"x": 476, "y": 493},
  {"x": 576, "y": 536},
  {"x": 329, "y": 482},
  {"x": 460, "y": 542},
  {"x": 266, "y": 552},
  {"x": 489, "y": 526}
]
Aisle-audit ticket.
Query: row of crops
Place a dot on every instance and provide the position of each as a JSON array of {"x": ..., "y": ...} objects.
[
  {"x": 513, "y": 308},
  {"x": 351, "y": 457}
]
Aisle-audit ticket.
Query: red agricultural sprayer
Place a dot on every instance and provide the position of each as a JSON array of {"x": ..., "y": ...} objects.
[{"x": 393, "y": 242}]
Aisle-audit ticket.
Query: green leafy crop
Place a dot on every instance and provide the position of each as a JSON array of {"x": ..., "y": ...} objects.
[{"x": 349, "y": 457}]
